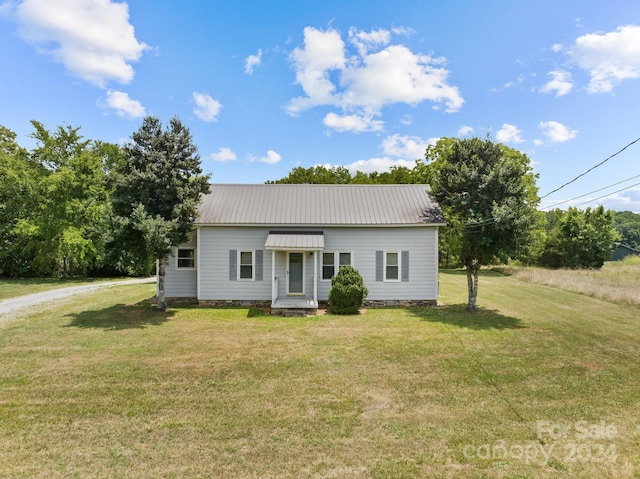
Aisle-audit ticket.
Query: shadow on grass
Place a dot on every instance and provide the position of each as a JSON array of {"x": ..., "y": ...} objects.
[
  {"x": 457, "y": 315},
  {"x": 121, "y": 316}
]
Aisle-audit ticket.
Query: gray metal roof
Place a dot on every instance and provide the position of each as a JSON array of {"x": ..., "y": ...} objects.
[
  {"x": 286, "y": 240},
  {"x": 338, "y": 205}
]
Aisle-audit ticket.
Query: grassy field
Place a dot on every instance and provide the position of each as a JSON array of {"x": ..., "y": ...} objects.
[
  {"x": 617, "y": 281},
  {"x": 540, "y": 383},
  {"x": 10, "y": 288}
]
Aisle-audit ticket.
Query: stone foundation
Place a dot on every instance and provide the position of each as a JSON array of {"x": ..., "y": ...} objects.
[{"x": 298, "y": 312}]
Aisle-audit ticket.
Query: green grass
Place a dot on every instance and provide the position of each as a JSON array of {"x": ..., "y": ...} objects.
[
  {"x": 10, "y": 288},
  {"x": 106, "y": 386}
]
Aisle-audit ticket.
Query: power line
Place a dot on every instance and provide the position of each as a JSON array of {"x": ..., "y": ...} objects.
[
  {"x": 608, "y": 194},
  {"x": 594, "y": 191},
  {"x": 591, "y": 169}
]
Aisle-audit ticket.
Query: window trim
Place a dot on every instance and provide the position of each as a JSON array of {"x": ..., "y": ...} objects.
[
  {"x": 336, "y": 262},
  {"x": 195, "y": 258},
  {"x": 253, "y": 264},
  {"x": 397, "y": 266}
]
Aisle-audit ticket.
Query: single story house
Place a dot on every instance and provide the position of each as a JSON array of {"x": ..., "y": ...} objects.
[{"x": 278, "y": 245}]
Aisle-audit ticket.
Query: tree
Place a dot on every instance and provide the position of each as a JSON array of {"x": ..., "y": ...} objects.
[
  {"x": 158, "y": 189},
  {"x": 490, "y": 190},
  {"x": 628, "y": 225},
  {"x": 318, "y": 175},
  {"x": 18, "y": 179},
  {"x": 63, "y": 229},
  {"x": 579, "y": 239}
]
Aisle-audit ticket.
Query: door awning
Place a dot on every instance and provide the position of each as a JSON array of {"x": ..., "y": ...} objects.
[{"x": 295, "y": 240}]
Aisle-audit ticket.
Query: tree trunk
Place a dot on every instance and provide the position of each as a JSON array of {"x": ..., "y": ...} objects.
[
  {"x": 473, "y": 271},
  {"x": 162, "y": 302}
]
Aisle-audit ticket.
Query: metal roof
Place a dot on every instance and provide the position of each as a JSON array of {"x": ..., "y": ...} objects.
[
  {"x": 302, "y": 240},
  {"x": 338, "y": 205}
]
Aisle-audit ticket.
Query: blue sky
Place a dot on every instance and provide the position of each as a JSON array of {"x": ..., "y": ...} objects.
[{"x": 267, "y": 86}]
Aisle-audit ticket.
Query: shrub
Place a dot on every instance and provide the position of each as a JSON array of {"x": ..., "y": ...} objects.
[{"x": 348, "y": 291}]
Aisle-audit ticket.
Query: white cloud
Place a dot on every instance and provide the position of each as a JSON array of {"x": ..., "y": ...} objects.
[
  {"x": 628, "y": 200},
  {"x": 408, "y": 147},
  {"x": 509, "y": 134},
  {"x": 557, "y": 132},
  {"x": 465, "y": 130},
  {"x": 123, "y": 105},
  {"x": 224, "y": 154},
  {"x": 207, "y": 108},
  {"x": 352, "y": 123},
  {"x": 93, "y": 39},
  {"x": 368, "y": 79},
  {"x": 252, "y": 61},
  {"x": 560, "y": 82},
  {"x": 380, "y": 165},
  {"x": 367, "y": 41},
  {"x": 608, "y": 57},
  {"x": 271, "y": 159}
]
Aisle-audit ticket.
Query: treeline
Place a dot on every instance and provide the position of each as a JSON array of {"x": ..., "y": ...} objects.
[
  {"x": 56, "y": 216},
  {"x": 573, "y": 238},
  {"x": 61, "y": 211}
]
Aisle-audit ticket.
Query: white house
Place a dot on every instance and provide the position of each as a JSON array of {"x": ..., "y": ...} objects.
[{"x": 279, "y": 245}]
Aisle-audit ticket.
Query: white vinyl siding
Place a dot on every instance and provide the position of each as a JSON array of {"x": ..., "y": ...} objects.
[{"x": 182, "y": 282}]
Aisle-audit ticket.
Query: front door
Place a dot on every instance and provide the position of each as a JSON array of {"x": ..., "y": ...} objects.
[{"x": 295, "y": 273}]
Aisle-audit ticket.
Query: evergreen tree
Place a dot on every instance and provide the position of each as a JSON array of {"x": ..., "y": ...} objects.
[{"x": 158, "y": 188}]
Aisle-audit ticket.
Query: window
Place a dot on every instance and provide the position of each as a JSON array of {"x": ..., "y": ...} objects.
[
  {"x": 186, "y": 258},
  {"x": 392, "y": 266},
  {"x": 246, "y": 265},
  {"x": 332, "y": 261}
]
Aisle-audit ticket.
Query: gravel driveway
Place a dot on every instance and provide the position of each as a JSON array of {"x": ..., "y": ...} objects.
[{"x": 10, "y": 308}]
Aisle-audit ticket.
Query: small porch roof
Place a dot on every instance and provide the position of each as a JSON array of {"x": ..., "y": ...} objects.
[{"x": 295, "y": 241}]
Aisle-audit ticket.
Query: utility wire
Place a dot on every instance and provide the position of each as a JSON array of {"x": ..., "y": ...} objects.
[
  {"x": 594, "y": 191},
  {"x": 590, "y": 169},
  {"x": 608, "y": 194}
]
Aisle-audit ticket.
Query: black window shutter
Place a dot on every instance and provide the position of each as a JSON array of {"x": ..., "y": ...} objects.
[
  {"x": 379, "y": 265},
  {"x": 233, "y": 265},
  {"x": 405, "y": 266},
  {"x": 259, "y": 263}
]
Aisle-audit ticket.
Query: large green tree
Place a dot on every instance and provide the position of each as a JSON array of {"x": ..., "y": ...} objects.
[
  {"x": 158, "y": 188},
  {"x": 63, "y": 228},
  {"x": 490, "y": 191},
  {"x": 579, "y": 238}
]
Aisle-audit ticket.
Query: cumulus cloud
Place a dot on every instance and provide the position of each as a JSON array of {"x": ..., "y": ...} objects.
[
  {"x": 93, "y": 39},
  {"x": 465, "y": 130},
  {"x": 252, "y": 61},
  {"x": 123, "y": 105},
  {"x": 557, "y": 132},
  {"x": 408, "y": 147},
  {"x": 363, "y": 81},
  {"x": 628, "y": 200},
  {"x": 560, "y": 83},
  {"x": 224, "y": 154},
  {"x": 509, "y": 134},
  {"x": 352, "y": 123},
  {"x": 271, "y": 159},
  {"x": 609, "y": 57},
  {"x": 206, "y": 108}
]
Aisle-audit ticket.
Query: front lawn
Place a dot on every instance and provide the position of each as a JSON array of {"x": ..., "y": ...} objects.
[{"x": 539, "y": 383}]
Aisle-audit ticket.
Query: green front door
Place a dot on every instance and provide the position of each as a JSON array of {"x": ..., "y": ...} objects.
[{"x": 296, "y": 273}]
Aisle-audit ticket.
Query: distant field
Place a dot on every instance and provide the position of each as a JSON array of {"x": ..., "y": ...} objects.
[
  {"x": 618, "y": 281},
  {"x": 540, "y": 383}
]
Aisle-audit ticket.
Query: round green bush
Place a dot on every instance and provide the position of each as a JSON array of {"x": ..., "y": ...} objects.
[{"x": 348, "y": 291}]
